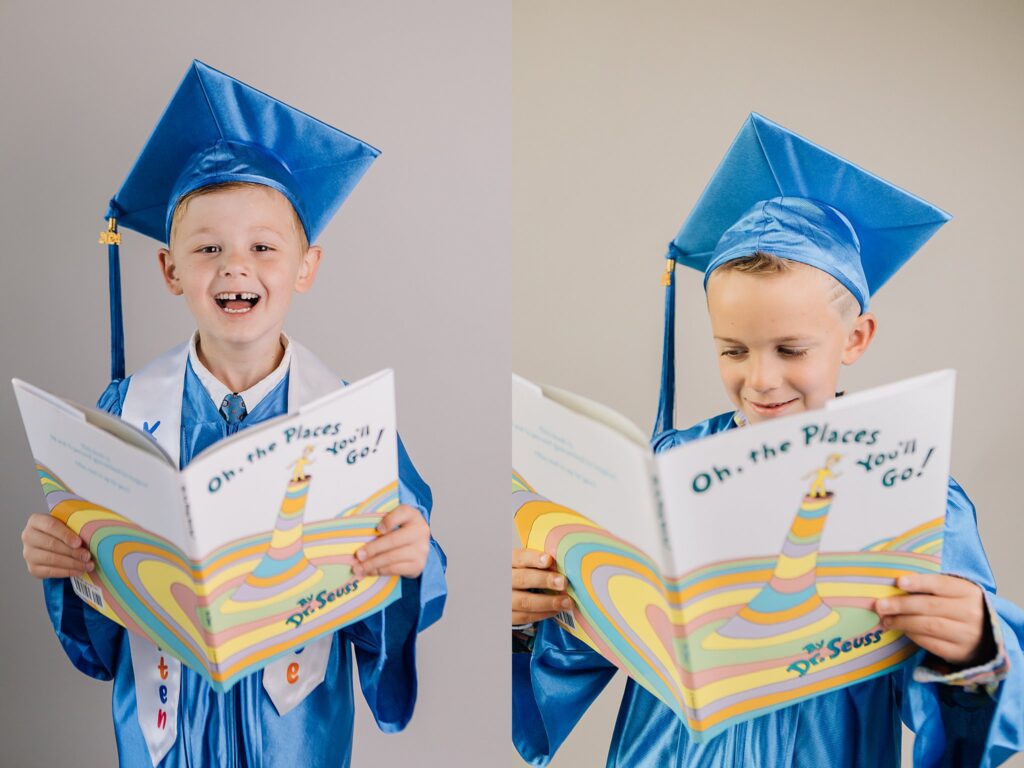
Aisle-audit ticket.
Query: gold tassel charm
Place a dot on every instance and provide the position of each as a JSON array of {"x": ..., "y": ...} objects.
[
  {"x": 666, "y": 276},
  {"x": 111, "y": 236}
]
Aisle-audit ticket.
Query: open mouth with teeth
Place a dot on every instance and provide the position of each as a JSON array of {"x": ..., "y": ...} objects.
[{"x": 236, "y": 303}]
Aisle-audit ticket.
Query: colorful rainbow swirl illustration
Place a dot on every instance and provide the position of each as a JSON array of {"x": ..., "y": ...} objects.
[
  {"x": 246, "y": 603},
  {"x": 735, "y": 639}
]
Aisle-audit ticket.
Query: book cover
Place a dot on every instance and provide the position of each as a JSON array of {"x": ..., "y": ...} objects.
[
  {"x": 751, "y": 585},
  {"x": 247, "y": 553}
]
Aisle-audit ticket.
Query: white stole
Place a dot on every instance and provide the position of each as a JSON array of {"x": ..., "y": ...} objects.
[{"x": 153, "y": 403}]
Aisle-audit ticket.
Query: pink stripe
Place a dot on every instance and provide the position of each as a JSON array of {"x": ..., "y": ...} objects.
[
  {"x": 795, "y": 584},
  {"x": 719, "y": 613},
  {"x": 283, "y": 553}
]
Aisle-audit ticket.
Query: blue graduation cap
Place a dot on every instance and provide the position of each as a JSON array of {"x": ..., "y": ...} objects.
[
  {"x": 776, "y": 192},
  {"x": 217, "y": 129}
]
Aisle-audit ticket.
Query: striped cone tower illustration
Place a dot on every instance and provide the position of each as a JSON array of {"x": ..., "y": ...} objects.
[
  {"x": 284, "y": 569},
  {"x": 788, "y": 606}
]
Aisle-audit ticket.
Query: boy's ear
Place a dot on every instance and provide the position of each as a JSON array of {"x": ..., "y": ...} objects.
[
  {"x": 859, "y": 338},
  {"x": 169, "y": 271},
  {"x": 307, "y": 270}
]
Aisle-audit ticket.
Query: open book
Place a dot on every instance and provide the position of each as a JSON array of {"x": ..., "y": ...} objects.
[
  {"x": 247, "y": 553},
  {"x": 735, "y": 575}
]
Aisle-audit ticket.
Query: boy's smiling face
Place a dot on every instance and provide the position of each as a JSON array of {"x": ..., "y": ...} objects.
[
  {"x": 238, "y": 256},
  {"x": 782, "y": 337}
]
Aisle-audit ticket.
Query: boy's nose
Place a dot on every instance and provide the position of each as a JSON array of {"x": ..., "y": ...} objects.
[
  {"x": 234, "y": 262},
  {"x": 762, "y": 376}
]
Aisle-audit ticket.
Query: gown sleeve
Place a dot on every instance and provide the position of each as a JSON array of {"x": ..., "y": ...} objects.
[
  {"x": 551, "y": 689},
  {"x": 385, "y": 643},
  {"x": 956, "y": 725},
  {"x": 89, "y": 638}
]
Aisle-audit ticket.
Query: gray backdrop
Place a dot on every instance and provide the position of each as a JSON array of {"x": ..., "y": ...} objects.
[
  {"x": 415, "y": 277},
  {"x": 621, "y": 112}
]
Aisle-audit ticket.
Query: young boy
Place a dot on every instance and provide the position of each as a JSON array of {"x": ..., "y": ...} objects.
[
  {"x": 792, "y": 242},
  {"x": 238, "y": 185}
]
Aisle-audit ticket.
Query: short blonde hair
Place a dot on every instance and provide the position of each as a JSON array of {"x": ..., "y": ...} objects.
[
  {"x": 763, "y": 263},
  {"x": 758, "y": 263},
  {"x": 230, "y": 186}
]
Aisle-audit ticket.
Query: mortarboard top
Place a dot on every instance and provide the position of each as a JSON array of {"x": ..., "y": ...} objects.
[
  {"x": 857, "y": 227},
  {"x": 217, "y": 129},
  {"x": 777, "y": 192}
]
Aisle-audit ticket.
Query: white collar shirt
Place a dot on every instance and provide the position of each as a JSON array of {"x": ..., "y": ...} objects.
[{"x": 252, "y": 397}]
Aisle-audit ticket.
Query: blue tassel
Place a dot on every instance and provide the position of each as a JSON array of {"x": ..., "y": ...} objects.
[
  {"x": 112, "y": 239},
  {"x": 667, "y": 397}
]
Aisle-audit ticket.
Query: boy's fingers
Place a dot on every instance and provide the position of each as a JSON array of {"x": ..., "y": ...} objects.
[
  {"x": 531, "y": 602},
  {"x": 405, "y": 527},
  {"x": 396, "y": 568},
  {"x": 531, "y": 578},
  {"x": 402, "y": 515},
  {"x": 928, "y": 605},
  {"x": 937, "y": 584},
  {"x": 389, "y": 560},
  {"x": 936, "y": 627},
  {"x": 373, "y": 564},
  {"x": 405, "y": 567},
  {"x": 400, "y": 538},
  {"x": 55, "y": 560},
  {"x": 37, "y": 540},
  {"x": 49, "y": 572},
  {"x": 51, "y": 526},
  {"x": 531, "y": 558},
  {"x": 531, "y": 618},
  {"x": 44, "y": 564}
]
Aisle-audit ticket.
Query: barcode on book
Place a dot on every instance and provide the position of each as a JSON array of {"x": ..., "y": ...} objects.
[
  {"x": 87, "y": 592},
  {"x": 565, "y": 617}
]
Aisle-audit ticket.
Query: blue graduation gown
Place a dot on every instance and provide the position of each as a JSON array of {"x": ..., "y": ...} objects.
[
  {"x": 242, "y": 727},
  {"x": 855, "y": 726}
]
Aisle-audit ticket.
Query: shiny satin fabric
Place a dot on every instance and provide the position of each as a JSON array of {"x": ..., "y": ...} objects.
[
  {"x": 242, "y": 727},
  {"x": 776, "y": 190},
  {"x": 800, "y": 230},
  {"x": 856, "y": 727},
  {"x": 217, "y": 129}
]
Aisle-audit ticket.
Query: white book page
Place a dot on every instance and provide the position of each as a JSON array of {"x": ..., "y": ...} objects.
[
  {"x": 598, "y": 412},
  {"x": 735, "y": 494},
  {"x": 101, "y": 419},
  {"x": 585, "y": 464},
  {"x": 128, "y": 433},
  {"x": 236, "y": 487},
  {"x": 133, "y": 481}
]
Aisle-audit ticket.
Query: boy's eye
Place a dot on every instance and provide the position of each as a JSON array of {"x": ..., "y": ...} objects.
[
  {"x": 261, "y": 248},
  {"x": 209, "y": 249},
  {"x": 792, "y": 351},
  {"x": 733, "y": 352}
]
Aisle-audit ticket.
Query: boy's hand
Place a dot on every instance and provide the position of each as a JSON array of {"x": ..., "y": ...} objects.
[
  {"x": 400, "y": 549},
  {"x": 943, "y": 614},
  {"x": 52, "y": 550},
  {"x": 533, "y": 570}
]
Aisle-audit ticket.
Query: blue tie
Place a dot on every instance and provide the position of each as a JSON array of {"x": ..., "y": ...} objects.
[{"x": 233, "y": 409}]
